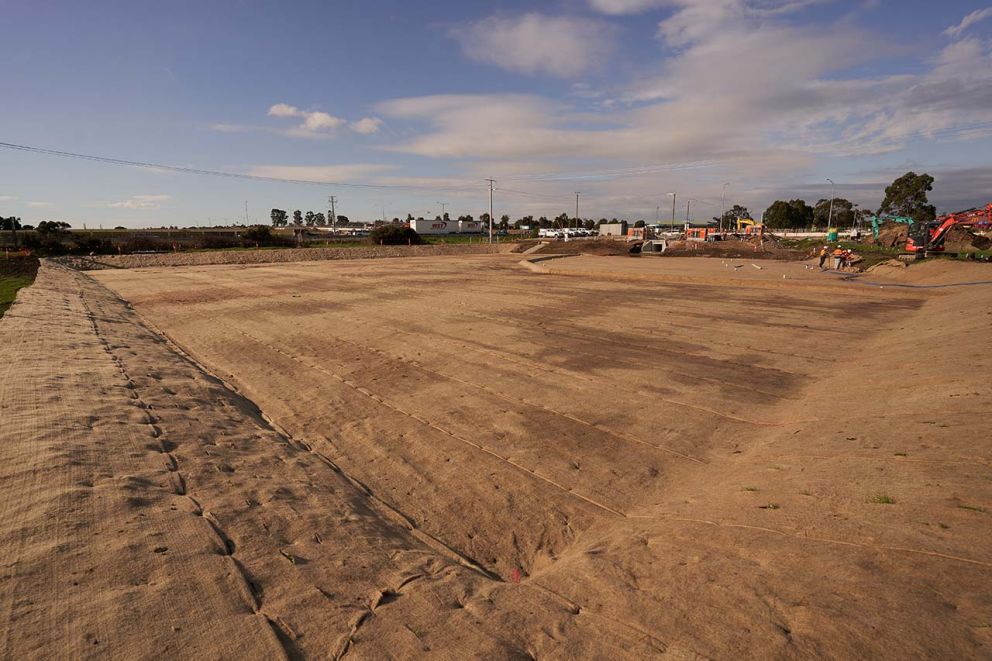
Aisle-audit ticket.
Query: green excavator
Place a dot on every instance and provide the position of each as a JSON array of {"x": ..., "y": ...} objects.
[{"x": 876, "y": 222}]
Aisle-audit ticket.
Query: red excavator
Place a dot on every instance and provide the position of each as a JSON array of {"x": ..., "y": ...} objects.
[{"x": 936, "y": 232}]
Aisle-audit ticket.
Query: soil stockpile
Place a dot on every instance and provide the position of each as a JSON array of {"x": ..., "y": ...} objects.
[
  {"x": 469, "y": 459},
  {"x": 961, "y": 239},
  {"x": 103, "y": 262},
  {"x": 892, "y": 235},
  {"x": 586, "y": 247}
]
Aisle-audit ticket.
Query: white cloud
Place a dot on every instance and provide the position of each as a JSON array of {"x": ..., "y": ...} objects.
[
  {"x": 138, "y": 202},
  {"x": 321, "y": 121},
  {"x": 284, "y": 110},
  {"x": 320, "y": 173},
  {"x": 40, "y": 205},
  {"x": 969, "y": 20},
  {"x": 535, "y": 43},
  {"x": 747, "y": 95},
  {"x": 366, "y": 125},
  {"x": 8, "y": 198},
  {"x": 618, "y": 7},
  {"x": 316, "y": 124},
  {"x": 697, "y": 19},
  {"x": 233, "y": 128}
]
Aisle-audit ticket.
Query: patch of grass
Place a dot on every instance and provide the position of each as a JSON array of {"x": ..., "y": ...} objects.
[
  {"x": 882, "y": 499},
  {"x": 15, "y": 273},
  {"x": 899, "y": 454},
  {"x": 973, "y": 508},
  {"x": 805, "y": 492},
  {"x": 943, "y": 526},
  {"x": 769, "y": 506},
  {"x": 750, "y": 488}
]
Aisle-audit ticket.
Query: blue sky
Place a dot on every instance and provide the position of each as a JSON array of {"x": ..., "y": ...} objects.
[{"x": 622, "y": 100}]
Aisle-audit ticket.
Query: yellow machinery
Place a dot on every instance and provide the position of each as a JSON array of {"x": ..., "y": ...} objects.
[{"x": 749, "y": 227}]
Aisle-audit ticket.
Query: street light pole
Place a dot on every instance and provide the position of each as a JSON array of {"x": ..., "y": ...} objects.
[
  {"x": 687, "y": 203},
  {"x": 576, "y": 210},
  {"x": 673, "y": 211},
  {"x": 830, "y": 214},
  {"x": 492, "y": 182},
  {"x": 723, "y": 206}
]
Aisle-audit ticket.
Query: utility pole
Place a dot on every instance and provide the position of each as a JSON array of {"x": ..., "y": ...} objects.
[
  {"x": 443, "y": 205},
  {"x": 657, "y": 213},
  {"x": 246, "y": 212},
  {"x": 576, "y": 210},
  {"x": 673, "y": 211},
  {"x": 492, "y": 182},
  {"x": 723, "y": 206},
  {"x": 830, "y": 214},
  {"x": 334, "y": 214},
  {"x": 687, "y": 203}
]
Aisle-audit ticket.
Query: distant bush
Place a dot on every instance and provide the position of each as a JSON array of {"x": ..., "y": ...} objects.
[
  {"x": 395, "y": 235},
  {"x": 261, "y": 234}
]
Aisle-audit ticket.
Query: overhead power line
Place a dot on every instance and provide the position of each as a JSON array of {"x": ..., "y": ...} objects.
[{"x": 219, "y": 173}]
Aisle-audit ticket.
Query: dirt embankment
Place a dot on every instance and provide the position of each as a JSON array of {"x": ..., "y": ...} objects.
[
  {"x": 102, "y": 262},
  {"x": 768, "y": 248}
]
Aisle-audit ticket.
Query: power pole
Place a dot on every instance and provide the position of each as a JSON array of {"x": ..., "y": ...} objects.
[
  {"x": 687, "y": 203},
  {"x": 576, "y": 210},
  {"x": 443, "y": 205},
  {"x": 830, "y": 214},
  {"x": 492, "y": 182},
  {"x": 673, "y": 211},
  {"x": 723, "y": 206},
  {"x": 246, "y": 212},
  {"x": 334, "y": 215}
]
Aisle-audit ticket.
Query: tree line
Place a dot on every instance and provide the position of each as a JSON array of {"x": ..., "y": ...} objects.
[
  {"x": 906, "y": 196},
  {"x": 280, "y": 218}
]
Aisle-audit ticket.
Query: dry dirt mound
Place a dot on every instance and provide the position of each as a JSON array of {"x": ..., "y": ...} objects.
[
  {"x": 892, "y": 235},
  {"x": 104, "y": 262},
  {"x": 587, "y": 247},
  {"x": 961, "y": 240},
  {"x": 751, "y": 248}
]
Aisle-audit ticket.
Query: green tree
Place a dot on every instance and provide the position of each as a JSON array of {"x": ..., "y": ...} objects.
[
  {"x": 731, "y": 215},
  {"x": 907, "y": 196},
  {"x": 319, "y": 220},
  {"x": 639, "y": 223},
  {"x": 297, "y": 217},
  {"x": 782, "y": 214},
  {"x": 843, "y": 213},
  {"x": 310, "y": 219},
  {"x": 278, "y": 217},
  {"x": 504, "y": 222},
  {"x": 11, "y": 224},
  {"x": 52, "y": 227}
]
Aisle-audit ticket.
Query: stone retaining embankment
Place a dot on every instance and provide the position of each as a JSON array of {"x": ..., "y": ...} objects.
[{"x": 100, "y": 262}]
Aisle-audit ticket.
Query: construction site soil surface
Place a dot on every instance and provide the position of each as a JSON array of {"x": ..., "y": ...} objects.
[{"x": 459, "y": 457}]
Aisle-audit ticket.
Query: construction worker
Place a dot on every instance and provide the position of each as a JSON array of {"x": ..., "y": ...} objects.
[
  {"x": 823, "y": 256},
  {"x": 838, "y": 257}
]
